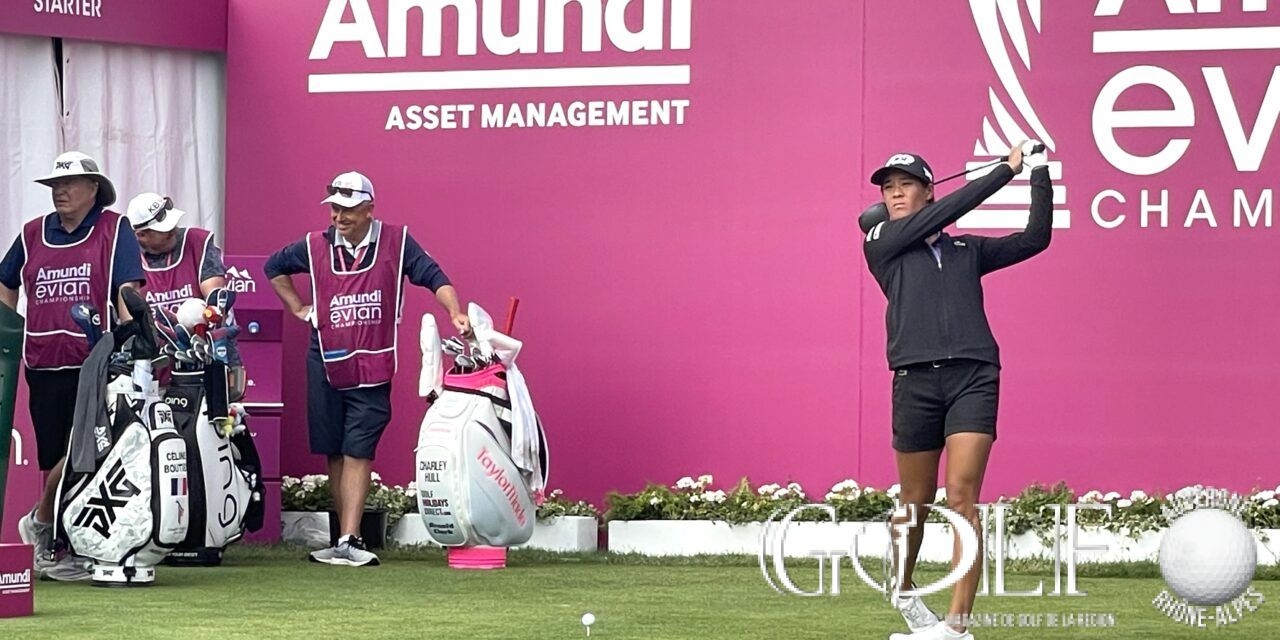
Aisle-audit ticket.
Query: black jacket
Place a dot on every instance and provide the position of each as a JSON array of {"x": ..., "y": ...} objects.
[{"x": 935, "y": 307}]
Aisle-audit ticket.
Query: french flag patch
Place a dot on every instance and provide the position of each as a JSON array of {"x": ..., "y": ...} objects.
[{"x": 178, "y": 486}]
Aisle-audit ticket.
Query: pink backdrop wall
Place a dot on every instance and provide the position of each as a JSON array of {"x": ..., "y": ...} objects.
[{"x": 693, "y": 296}]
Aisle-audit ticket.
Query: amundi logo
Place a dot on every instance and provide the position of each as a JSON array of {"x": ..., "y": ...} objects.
[
  {"x": 539, "y": 28},
  {"x": 599, "y": 18}
]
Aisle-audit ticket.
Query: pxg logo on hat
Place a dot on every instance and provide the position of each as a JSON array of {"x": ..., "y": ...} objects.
[
  {"x": 74, "y": 163},
  {"x": 908, "y": 163}
]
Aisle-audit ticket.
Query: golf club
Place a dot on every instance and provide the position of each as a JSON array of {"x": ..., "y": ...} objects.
[{"x": 1036, "y": 148}]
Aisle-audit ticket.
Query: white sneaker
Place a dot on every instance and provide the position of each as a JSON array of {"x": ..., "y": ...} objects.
[
  {"x": 938, "y": 631},
  {"x": 39, "y": 535},
  {"x": 916, "y": 613},
  {"x": 69, "y": 569},
  {"x": 325, "y": 555},
  {"x": 350, "y": 552}
]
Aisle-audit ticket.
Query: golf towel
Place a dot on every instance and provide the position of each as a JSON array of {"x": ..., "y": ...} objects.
[
  {"x": 91, "y": 408},
  {"x": 526, "y": 445}
]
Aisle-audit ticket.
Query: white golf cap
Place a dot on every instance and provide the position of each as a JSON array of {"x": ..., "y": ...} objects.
[
  {"x": 74, "y": 163},
  {"x": 349, "y": 189},
  {"x": 154, "y": 212}
]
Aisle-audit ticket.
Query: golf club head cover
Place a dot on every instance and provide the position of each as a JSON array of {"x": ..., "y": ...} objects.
[
  {"x": 431, "y": 380},
  {"x": 469, "y": 490},
  {"x": 145, "y": 344},
  {"x": 220, "y": 342},
  {"x": 221, "y": 299},
  {"x": 1034, "y": 154},
  {"x": 89, "y": 321},
  {"x": 872, "y": 216}
]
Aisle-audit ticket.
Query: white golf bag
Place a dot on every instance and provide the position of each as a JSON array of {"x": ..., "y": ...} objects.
[
  {"x": 225, "y": 473},
  {"x": 471, "y": 490},
  {"x": 123, "y": 499}
]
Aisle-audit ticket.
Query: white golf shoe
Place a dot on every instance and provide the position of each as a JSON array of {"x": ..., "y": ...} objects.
[
  {"x": 916, "y": 613},
  {"x": 938, "y": 631}
]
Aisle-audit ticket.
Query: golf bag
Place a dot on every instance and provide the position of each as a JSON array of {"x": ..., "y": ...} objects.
[
  {"x": 470, "y": 489},
  {"x": 123, "y": 501},
  {"x": 224, "y": 472}
]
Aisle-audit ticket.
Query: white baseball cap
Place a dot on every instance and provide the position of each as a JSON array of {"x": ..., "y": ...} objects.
[
  {"x": 349, "y": 189},
  {"x": 154, "y": 212},
  {"x": 74, "y": 163}
]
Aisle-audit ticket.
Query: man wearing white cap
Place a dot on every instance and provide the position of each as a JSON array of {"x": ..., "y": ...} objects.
[
  {"x": 180, "y": 263},
  {"x": 356, "y": 268},
  {"x": 81, "y": 252}
]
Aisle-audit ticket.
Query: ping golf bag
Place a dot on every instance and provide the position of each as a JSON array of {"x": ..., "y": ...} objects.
[
  {"x": 123, "y": 500},
  {"x": 471, "y": 490},
  {"x": 224, "y": 470}
]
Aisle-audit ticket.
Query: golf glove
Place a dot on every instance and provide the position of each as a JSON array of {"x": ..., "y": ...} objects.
[{"x": 1032, "y": 158}]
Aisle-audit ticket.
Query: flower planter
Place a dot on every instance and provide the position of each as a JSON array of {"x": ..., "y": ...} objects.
[
  {"x": 412, "y": 531},
  {"x": 308, "y": 528},
  {"x": 564, "y": 533},
  {"x": 317, "y": 529},
  {"x": 715, "y": 537}
]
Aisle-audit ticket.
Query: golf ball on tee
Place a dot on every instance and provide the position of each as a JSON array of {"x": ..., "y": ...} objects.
[
  {"x": 1208, "y": 557},
  {"x": 588, "y": 619}
]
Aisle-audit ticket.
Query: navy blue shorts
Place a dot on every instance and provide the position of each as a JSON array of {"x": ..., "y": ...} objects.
[{"x": 344, "y": 423}]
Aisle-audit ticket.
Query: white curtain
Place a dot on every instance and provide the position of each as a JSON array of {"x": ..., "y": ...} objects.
[
  {"x": 154, "y": 119},
  {"x": 30, "y": 130}
]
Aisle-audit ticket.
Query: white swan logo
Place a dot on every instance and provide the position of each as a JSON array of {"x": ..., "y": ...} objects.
[{"x": 1008, "y": 124}]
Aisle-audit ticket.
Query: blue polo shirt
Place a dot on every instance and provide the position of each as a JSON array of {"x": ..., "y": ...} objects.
[{"x": 127, "y": 265}]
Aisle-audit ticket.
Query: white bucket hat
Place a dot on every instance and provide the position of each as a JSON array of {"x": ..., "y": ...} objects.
[
  {"x": 74, "y": 163},
  {"x": 154, "y": 212},
  {"x": 349, "y": 189}
]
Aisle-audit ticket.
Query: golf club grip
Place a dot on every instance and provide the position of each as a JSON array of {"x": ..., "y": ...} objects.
[
  {"x": 1036, "y": 148},
  {"x": 511, "y": 315}
]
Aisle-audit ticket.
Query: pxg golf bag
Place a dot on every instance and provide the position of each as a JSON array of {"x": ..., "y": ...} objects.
[
  {"x": 123, "y": 500},
  {"x": 471, "y": 490},
  {"x": 224, "y": 470}
]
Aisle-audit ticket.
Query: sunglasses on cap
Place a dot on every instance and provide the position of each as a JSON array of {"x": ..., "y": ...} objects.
[
  {"x": 158, "y": 216},
  {"x": 345, "y": 192}
]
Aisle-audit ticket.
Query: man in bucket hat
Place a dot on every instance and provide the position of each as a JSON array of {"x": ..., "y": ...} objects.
[
  {"x": 356, "y": 269},
  {"x": 80, "y": 252}
]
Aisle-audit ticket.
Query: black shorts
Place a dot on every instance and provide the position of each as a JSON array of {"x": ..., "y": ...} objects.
[
  {"x": 934, "y": 400},
  {"x": 344, "y": 422},
  {"x": 51, "y": 397}
]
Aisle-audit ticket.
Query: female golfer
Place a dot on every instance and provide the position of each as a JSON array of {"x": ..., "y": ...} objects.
[{"x": 945, "y": 361}]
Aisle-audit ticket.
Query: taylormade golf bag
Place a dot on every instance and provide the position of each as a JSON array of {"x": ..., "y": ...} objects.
[
  {"x": 123, "y": 499},
  {"x": 470, "y": 489},
  {"x": 225, "y": 472}
]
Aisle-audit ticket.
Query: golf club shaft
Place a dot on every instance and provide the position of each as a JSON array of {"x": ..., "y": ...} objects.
[{"x": 1035, "y": 149}]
